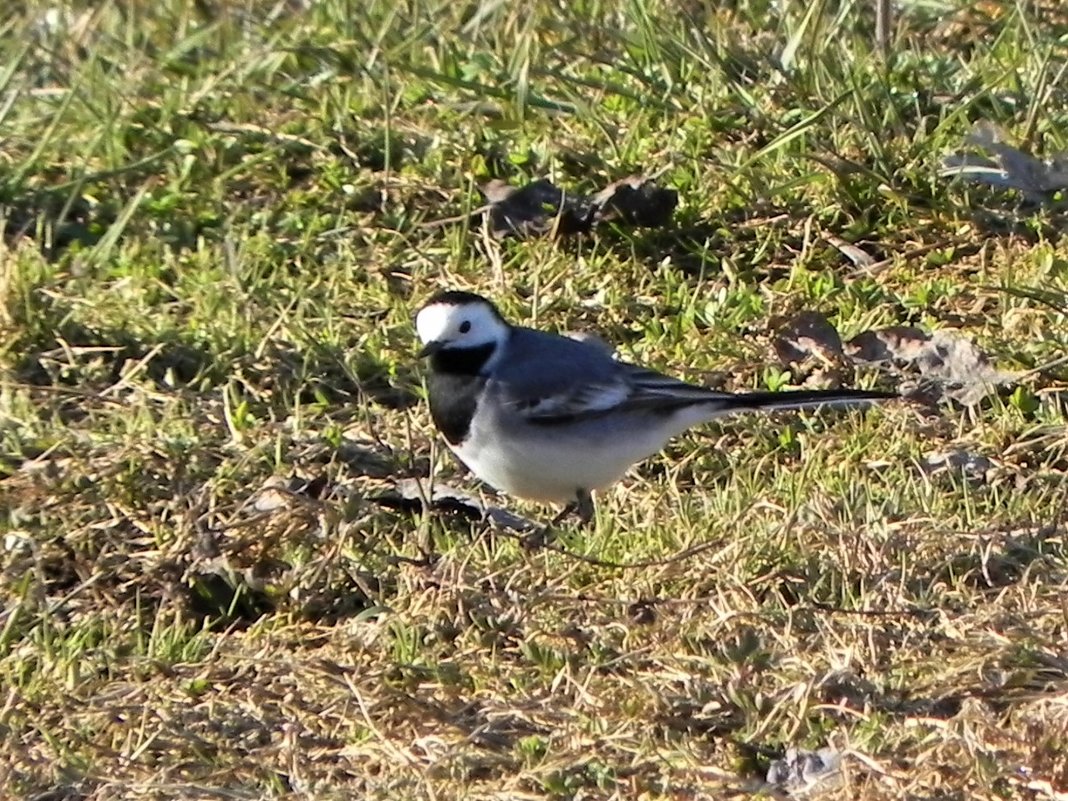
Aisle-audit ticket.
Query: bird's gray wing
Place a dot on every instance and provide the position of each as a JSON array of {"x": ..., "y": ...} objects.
[
  {"x": 547, "y": 378},
  {"x": 658, "y": 391}
]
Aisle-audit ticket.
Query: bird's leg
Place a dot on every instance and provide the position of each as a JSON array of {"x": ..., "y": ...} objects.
[{"x": 584, "y": 506}]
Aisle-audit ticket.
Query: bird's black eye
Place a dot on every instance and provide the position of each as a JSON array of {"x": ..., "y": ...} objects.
[{"x": 465, "y": 326}]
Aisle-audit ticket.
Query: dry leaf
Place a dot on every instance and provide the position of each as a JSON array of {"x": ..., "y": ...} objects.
[
  {"x": 811, "y": 345},
  {"x": 273, "y": 495},
  {"x": 899, "y": 342},
  {"x": 972, "y": 465},
  {"x": 1010, "y": 168},
  {"x": 409, "y": 493},
  {"x": 855, "y": 254},
  {"x": 800, "y": 771},
  {"x": 809, "y": 334},
  {"x": 635, "y": 201},
  {"x": 946, "y": 358},
  {"x": 541, "y": 207},
  {"x": 278, "y": 492}
]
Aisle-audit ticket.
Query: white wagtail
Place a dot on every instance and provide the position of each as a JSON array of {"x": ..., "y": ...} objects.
[{"x": 550, "y": 418}]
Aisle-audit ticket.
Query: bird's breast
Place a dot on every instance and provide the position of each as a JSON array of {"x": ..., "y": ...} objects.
[{"x": 453, "y": 403}]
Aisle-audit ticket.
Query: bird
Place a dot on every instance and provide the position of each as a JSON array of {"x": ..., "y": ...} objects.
[{"x": 553, "y": 419}]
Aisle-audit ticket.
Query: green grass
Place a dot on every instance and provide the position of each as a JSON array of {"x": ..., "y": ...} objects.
[{"x": 216, "y": 232}]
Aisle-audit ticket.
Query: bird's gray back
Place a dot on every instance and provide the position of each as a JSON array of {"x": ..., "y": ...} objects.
[
  {"x": 548, "y": 379},
  {"x": 537, "y": 365}
]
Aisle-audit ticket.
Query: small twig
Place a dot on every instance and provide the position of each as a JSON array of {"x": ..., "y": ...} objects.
[
  {"x": 880, "y": 266},
  {"x": 133, "y": 372},
  {"x": 71, "y": 391},
  {"x": 259, "y": 130},
  {"x": 883, "y": 18},
  {"x": 456, "y": 219},
  {"x": 1042, "y": 368},
  {"x": 819, "y": 606}
]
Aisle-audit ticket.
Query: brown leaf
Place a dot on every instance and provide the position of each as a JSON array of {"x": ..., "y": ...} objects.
[
  {"x": 946, "y": 358},
  {"x": 635, "y": 201},
  {"x": 809, "y": 334},
  {"x": 273, "y": 495},
  {"x": 887, "y": 344},
  {"x": 810, "y": 345},
  {"x": 409, "y": 493},
  {"x": 859, "y": 257},
  {"x": 1011, "y": 168},
  {"x": 541, "y": 207},
  {"x": 498, "y": 191},
  {"x": 535, "y": 209}
]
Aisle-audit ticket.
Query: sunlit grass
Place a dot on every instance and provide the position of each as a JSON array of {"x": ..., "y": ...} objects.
[{"x": 219, "y": 219}]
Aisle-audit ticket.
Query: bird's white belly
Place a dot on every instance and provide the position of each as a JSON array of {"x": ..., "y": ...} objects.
[
  {"x": 552, "y": 463},
  {"x": 541, "y": 473}
]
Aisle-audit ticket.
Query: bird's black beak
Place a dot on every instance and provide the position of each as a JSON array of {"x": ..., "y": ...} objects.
[{"x": 430, "y": 348}]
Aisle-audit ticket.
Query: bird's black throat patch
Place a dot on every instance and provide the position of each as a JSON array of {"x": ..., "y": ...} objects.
[
  {"x": 454, "y": 387},
  {"x": 462, "y": 361}
]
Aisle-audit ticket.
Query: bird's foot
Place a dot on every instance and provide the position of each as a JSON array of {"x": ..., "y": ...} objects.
[
  {"x": 565, "y": 513},
  {"x": 581, "y": 506}
]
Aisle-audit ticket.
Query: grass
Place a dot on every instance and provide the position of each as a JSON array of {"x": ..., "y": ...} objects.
[{"x": 216, "y": 232}]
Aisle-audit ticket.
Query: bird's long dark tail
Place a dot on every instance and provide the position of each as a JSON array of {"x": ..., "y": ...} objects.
[{"x": 803, "y": 399}]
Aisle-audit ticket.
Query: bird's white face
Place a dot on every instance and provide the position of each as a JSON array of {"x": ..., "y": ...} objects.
[{"x": 460, "y": 326}]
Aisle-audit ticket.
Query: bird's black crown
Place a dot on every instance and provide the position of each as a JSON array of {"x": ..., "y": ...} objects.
[{"x": 459, "y": 297}]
